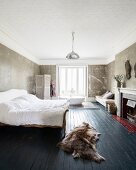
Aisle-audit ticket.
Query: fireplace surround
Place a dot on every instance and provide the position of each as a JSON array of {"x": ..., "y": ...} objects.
[{"x": 127, "y": 104}]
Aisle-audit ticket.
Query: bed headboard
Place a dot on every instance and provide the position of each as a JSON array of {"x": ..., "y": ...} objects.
[{"x": 11, "y": 94}]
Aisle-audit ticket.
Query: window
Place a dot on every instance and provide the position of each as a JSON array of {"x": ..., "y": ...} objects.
[{"x": 72, "y": 80}]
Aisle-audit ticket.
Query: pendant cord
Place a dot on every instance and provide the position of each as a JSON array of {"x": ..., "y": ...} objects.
[{"x": 73, "y": 40}]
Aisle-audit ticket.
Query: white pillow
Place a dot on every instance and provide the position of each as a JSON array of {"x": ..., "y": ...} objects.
[
  {"x": 108, "y": 95},
  {"x": 105, "y": 93},
  {"x": 11, "y": 94}
]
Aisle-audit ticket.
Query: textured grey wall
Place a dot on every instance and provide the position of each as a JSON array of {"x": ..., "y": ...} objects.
[
  {"x": 49, "y": 69},
  {"x": 16, "y": 71},
  {"x": 111, "y": 85},
  {"x": 130, "y": 54},
  {"x": 97, "y": 77},
  {"x": 97, "y": 80}
]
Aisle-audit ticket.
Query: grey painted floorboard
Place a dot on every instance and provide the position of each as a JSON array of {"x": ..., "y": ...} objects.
[{"x": 35, "y": 149}]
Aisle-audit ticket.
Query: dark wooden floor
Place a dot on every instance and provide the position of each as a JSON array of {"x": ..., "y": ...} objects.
[{"x": 35, "y": 149}]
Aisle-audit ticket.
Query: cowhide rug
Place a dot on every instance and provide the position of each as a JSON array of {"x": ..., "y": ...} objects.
[{"x": 81, "y": 142}]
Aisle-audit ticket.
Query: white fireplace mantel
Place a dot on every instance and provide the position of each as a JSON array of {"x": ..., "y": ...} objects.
[
  {"x": 127, "y": 91},
  {"x": 118, "y": 97}
]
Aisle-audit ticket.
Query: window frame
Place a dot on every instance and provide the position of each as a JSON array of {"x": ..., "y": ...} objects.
[{"x": 72, "y": 66}]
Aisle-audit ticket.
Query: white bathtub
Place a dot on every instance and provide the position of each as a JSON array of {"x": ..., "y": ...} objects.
[{"x": 77, "y": 100}]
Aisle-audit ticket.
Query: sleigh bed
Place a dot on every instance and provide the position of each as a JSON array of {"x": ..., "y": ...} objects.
[{"x": 18, "y": 108}]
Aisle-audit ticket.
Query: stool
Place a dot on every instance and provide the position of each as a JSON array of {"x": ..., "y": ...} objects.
[{"x": 111, "y": 107}]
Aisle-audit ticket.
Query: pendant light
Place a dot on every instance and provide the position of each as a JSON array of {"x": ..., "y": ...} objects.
[{"x": 72, "y": 55}]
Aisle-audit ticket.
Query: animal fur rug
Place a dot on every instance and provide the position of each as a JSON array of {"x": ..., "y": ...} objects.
[{"x": 81, "y": 142}]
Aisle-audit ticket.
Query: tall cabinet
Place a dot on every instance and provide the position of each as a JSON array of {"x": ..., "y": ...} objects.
[{"x": 43, "y": 86}]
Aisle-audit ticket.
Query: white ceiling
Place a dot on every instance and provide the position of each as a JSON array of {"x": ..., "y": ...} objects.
[{"x": 42, "y": 28}]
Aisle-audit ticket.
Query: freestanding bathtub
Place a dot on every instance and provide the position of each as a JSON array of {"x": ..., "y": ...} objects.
[{"x": 74, "y": 100}]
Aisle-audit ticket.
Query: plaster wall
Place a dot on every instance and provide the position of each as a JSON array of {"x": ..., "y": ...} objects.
[
  {"x": 97, "y": 80},
  {"x": 49, "y": 69},
  {"x": 111, "y": 83},
  {"x": 127, "y": 54},
  {"x": 16, "y": 71}
]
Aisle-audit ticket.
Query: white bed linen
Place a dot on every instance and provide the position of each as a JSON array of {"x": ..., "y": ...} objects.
[
  {"x": 28, "y": 109},
  {"x": 11, "y": 94}
]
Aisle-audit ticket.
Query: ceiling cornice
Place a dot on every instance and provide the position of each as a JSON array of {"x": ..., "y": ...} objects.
[
  {"x": 125, "y": 42},
  {"x": 14, "y": 45},
  {"x": 91, "y": 61},
  {"x": 110, "y": 59},
  {"x": 121, "y": 45}
]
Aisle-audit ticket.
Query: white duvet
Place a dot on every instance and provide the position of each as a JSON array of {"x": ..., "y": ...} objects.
[{"x": 28, "y": 109}]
